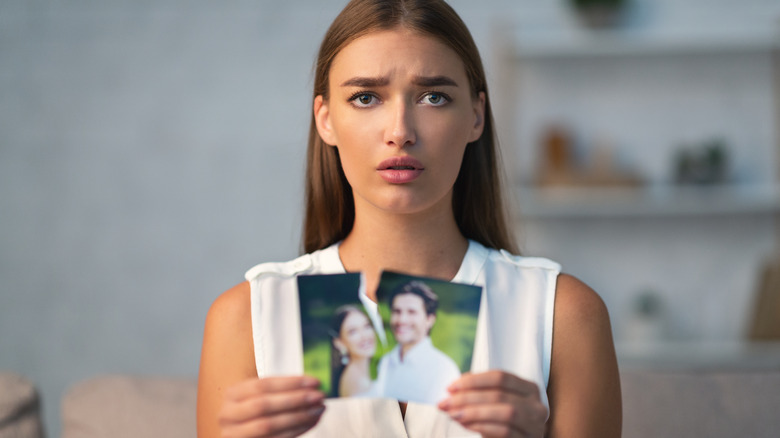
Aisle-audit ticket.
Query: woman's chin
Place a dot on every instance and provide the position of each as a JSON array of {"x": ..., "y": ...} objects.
[{"x": 361, "y": 356}]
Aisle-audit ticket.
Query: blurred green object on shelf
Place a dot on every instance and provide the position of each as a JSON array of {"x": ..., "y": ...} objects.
[
  {"x": 599, "y": 14},
  {"x": 703, "y": 163}
]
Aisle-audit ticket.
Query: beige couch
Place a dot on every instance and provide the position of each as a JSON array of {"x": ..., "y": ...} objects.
[
  {"x": 701, "y": 404},
  {"x": 656, "y": 404},
  {"x": 20, "y": 407},
  {"x": 126, "y": 406}
]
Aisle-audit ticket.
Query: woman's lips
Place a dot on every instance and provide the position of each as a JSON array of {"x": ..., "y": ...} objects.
[{"x": 400, "y": 170}]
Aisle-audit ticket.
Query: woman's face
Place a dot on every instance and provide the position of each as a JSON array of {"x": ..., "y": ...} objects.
[
  {"x": 357, "y": 335},
  {"x": 401, "y": 112}
]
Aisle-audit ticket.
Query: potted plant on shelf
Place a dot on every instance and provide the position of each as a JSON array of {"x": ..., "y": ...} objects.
[{"x": 599, "y": 14}]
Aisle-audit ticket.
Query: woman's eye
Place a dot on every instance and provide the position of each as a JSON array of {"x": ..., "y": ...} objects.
[
  {"x": 435, "y": 99},
  {"x": 362, "y": 100}
]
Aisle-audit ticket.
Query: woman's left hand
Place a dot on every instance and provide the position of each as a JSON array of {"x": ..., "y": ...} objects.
[{"x": 496, "y": 404}]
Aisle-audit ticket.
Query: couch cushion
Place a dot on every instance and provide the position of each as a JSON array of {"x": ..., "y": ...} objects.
[
  {"x": 20, "y": 409},
  {"x": 128, "y": 406},
  {"x": 655, "y": 404},
  {"x": 701, "y": 404}
]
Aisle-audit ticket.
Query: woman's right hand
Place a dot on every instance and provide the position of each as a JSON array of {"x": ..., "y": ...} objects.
[{"x": 271, "y": 407}]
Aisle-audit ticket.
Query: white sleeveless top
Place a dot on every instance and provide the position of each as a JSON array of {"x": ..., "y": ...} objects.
[{"x": 514, "y": 334}]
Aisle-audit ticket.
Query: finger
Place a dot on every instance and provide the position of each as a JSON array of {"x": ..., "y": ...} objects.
[
  {"x": 492, "y": 380},
  {"x": 270, "y": 404},
  {"x": 276, "y": 425},
  {"x": 252, "y": 387},
  {"x": 480, "y": 396},
  {"x": 528, "y": 417}
]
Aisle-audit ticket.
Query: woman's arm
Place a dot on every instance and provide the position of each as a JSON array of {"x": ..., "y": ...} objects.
[
  {"x": 232, "y": 401},
  {"x": 584, "y": 386},
  {"x": 227, "y": 355}
]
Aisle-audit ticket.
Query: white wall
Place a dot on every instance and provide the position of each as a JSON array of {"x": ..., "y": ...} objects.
[{"x": 150, "y": 152}]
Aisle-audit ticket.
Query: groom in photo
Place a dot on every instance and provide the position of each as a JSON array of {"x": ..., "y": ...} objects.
[{"x": 414, "y": 370}]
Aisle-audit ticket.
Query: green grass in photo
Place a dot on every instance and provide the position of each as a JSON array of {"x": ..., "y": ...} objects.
[{"x": 316, "y": 363}]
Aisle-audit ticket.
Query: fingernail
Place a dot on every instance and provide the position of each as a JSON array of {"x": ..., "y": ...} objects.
[
  {"x": 310, "y": 381},
  {"x": 314, "y": 397},
  {"x": 316, "y": 411},
  {"x": 457, "y": 415},
  {"x": 444, "y": 404}
]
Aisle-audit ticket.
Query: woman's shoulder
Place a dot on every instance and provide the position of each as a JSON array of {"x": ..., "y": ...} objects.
[
  {"x": 231, "y": 310},
  {"x": 577, "y": 303},
  {"x": 227, "y": 337}
]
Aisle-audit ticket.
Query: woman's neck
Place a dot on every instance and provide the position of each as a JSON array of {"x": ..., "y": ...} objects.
[
  {"x": 425, "y": 245},
  {"x": 359, "y": 365},
  {"x": 355, "y": 378}
]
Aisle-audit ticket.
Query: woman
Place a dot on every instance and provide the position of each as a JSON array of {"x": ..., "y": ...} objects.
[
  {"x": 402, "y": 175},
  {"x": 353, "y": 346}
]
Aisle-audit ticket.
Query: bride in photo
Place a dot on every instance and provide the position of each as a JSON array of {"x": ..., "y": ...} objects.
[{"x": 352, "y": 347}]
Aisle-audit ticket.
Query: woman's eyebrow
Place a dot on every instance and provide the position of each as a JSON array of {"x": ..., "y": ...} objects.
[
  {"x": 366, "y": 82},
  {"x": 434, "y": 81}
]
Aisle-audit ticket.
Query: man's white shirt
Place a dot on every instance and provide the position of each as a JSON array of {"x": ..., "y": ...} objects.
[{"x": 423, "y": 376}]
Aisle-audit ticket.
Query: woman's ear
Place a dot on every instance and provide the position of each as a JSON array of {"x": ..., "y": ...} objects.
[
  {"x": 479, "y": 117},
  {"x": 340, "y": 346},
  {"x": 322, "y": 120}
]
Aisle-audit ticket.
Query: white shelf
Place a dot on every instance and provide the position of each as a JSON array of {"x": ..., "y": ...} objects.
[
  {"x": 650, "y": 201},
  {"x": 583, "y": 44},
  {"x": 699, "y": 356}
]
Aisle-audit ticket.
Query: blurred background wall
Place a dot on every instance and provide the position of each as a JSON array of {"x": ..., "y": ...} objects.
[{"x": 152, "y": 151}]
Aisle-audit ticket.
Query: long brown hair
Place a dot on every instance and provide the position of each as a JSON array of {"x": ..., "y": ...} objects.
[{"x": 477, "y": 201}]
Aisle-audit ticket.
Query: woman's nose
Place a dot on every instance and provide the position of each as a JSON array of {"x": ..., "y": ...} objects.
[{"x": 400, "y": 131}]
